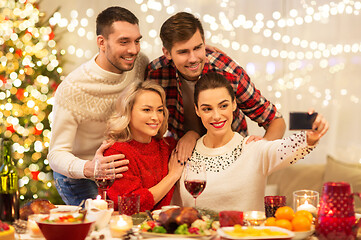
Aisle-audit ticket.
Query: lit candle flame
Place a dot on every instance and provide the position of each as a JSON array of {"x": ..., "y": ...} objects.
[{"x": 121, "y": 222}]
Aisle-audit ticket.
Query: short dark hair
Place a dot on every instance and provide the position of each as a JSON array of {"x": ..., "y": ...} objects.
[
  {"x": 179, "y": 27},
  {"x": 212, "y": 80},
  {"x": 107, "y": 17}
]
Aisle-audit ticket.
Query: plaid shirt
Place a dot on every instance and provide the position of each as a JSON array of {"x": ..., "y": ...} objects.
[{"x": 250, "y": 102}]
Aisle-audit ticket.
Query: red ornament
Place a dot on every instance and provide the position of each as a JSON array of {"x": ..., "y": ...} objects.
[
  {"x": 51, "y": 35},
  {"x": 20, "y": 94},
  {"x": 3, "y": 79},
  {"x": 35, "y": 175},
  {"x": 19, "y": 52},
  {"x": 37, "y": 132},
  {"x": 10, "y": 128}
]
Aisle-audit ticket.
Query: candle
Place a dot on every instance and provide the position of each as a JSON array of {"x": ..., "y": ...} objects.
[
  {"x": 308, "y": 207},
  {"x": 255, "y": 218},
  {"x": 99, "y": 203},
  {"x": 120, "y": 225},
  {"x": 306, "y": 200}
]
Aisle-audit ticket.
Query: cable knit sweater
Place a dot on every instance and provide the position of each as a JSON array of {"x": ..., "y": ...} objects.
[
  {"x": 148, "y": 165},
  {"x": 237, "y": 172},
  {"x": 83, "y": 103}
]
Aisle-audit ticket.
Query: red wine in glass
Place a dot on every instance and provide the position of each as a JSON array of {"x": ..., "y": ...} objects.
[
  {"x": 195, "y": 178},
  {"x": 195, "y": 187},
  {"x": 104, "y": 183},
  {"x": 104, "y": 174}
]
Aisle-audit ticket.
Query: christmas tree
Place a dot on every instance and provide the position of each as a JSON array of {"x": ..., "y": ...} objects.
[{"x": 30, "y": 72}]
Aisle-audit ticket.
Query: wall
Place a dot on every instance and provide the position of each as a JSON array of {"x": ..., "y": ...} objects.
[{"x": 310, "y": 58}]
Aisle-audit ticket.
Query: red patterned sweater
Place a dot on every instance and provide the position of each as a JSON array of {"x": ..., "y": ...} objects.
[{"x": 148, "y": 165}]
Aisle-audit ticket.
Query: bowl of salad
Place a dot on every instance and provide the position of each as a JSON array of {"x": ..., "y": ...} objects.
[{"x": 69, "y": 227}]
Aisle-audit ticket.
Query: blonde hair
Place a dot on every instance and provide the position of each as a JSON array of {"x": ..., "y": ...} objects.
[{"x": 118, "y": 124}]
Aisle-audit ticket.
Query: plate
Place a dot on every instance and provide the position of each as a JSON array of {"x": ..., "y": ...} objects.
[
  {"x": 289, "y": 235},
  {"x": 179, "y": 236},
  {"x": 65, "y": 208},
  {"x": 303, "y": 235}
]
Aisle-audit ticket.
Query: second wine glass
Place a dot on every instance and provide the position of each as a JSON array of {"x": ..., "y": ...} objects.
[
  {"x": 195, "y": 178},
  {"x": 104, "y": 174}
]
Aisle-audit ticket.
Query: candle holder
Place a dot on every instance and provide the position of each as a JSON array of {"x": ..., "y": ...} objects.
[
  {"x": 306, "y": 200},
  {"x": 272, "y": 203},
  {"x": 120, "y": 225},
  {"x": 254, "y": 218},
  {"x": 129, "y": 204}
]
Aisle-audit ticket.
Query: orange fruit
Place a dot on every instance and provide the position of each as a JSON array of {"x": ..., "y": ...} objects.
[
  {"x": 284, "y": 223},
  {"x": 285, "y": 213},
  {"x": 301, "y": 223},
  {"x": 304, "y": 213},
  {"x": 271, "y": 221}
]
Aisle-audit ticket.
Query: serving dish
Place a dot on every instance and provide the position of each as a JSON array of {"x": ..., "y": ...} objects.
[
  {"x": 289, "y": 235},
  {"x": 68, "y": 231},
  {"x": 65, "y": 208},
  {"x": 303, "y": 235},
  {"x": 177, "y": 238},
  {"x": 168, "y": 235}
]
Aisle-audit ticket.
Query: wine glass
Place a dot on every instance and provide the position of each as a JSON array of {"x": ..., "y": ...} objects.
[
  {"x": 195, "y": 178},
  {"x": 104, "y": 174}
]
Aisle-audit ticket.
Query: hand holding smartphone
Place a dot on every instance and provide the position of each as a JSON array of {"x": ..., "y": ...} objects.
[{"x": 301, "y": 120}]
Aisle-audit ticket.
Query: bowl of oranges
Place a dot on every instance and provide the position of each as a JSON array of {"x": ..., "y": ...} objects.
[{"x": 300, "y": 222}]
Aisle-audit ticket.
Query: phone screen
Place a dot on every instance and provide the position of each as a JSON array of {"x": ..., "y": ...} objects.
[{"x": 301, "y": 120}]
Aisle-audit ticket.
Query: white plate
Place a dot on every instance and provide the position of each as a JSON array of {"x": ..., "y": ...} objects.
[
  {"x": 289, "y": 235},
  {"x": 179, "y": 236},
  {"x": 65, "y": 208}
]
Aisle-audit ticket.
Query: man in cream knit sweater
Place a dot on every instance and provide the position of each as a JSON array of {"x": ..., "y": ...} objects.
[{"x": 85, "y": 100}]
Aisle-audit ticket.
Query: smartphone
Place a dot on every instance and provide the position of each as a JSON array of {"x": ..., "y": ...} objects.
[{"x": 301, "y": 120}]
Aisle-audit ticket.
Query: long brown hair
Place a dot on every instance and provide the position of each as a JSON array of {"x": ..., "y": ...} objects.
[{"x": 212, "y": 80}]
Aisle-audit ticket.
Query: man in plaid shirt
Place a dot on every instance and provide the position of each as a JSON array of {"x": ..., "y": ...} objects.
[{"x": 185, "y": 59}]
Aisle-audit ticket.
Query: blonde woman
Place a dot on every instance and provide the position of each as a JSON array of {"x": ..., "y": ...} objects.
[{"x": 137, "y": 128}]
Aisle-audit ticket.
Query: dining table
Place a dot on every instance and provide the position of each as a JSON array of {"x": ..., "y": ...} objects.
[
  {"x": 104, "y": 234},
  {"x": 134, "y": 234}
]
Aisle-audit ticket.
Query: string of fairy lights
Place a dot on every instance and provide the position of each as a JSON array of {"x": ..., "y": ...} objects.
[
  {"x": 38, "y": 48},
  {"x": 222, "y": 30},
  {"x": 29, "y": 67}
]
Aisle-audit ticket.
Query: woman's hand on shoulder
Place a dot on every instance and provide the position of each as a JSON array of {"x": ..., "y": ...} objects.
[
  {"x": 175, "y": 167},
  {"x": 319, "y": 128},
  {"x": 186, "y": 145}
]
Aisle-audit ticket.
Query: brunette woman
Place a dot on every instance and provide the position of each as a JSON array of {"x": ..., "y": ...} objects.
[{"x": 236, "y": 171}]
